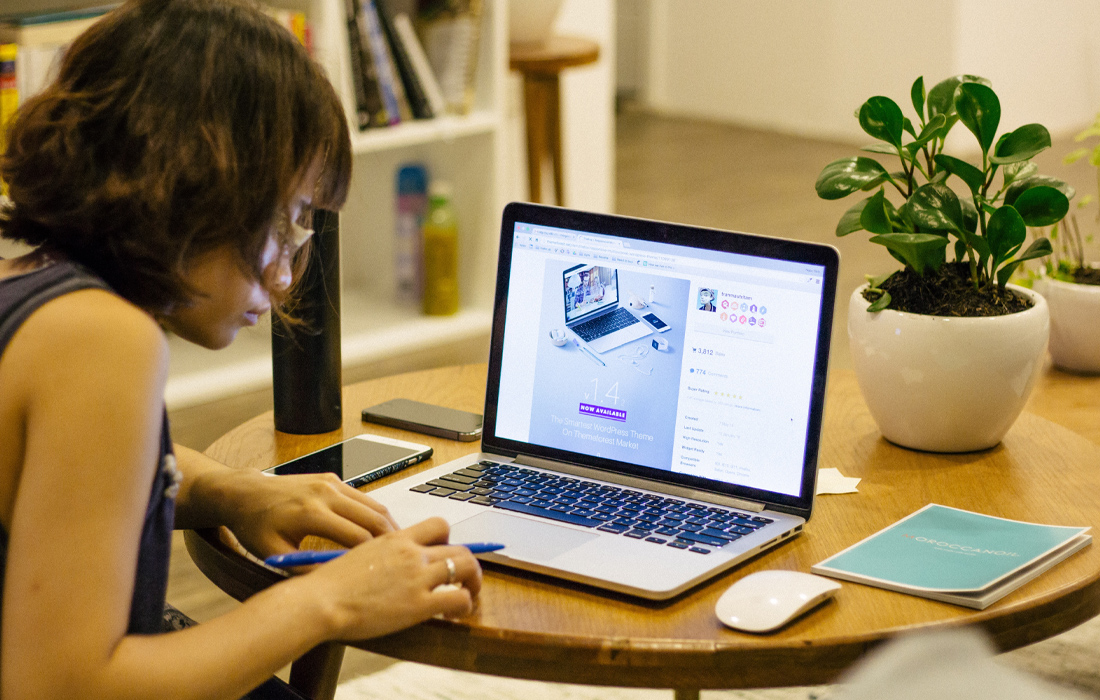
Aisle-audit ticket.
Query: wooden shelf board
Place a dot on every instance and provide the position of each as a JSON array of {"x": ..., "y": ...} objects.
[
  {"x": 372, "y": 330},
  {"x": 426, "y": 131}
]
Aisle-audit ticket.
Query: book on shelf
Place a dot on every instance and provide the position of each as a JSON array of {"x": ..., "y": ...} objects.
[
  {"x": 414, "y": 90},
  {"x": 39, "y": 42},
  {"x": 368, "y": 100},
  {"x": 389, "y": 82},
  {"x": 422, "y": 69},
  {"x": 955, "y": 556},
  {"x": 450, "y": 30},
  {"x": 296, "y": 22}
]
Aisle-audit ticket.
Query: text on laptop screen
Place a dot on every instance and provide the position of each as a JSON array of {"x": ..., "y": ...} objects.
[{"x": 719, "y": 387}]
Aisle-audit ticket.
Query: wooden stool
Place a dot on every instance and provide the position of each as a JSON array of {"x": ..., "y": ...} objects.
[{"x": 541, "y": 65}]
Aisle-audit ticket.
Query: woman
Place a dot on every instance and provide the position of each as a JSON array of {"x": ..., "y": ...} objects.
[{"x": 161, "y": 179}]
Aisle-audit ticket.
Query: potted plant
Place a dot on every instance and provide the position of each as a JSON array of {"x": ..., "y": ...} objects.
[
  {"x": 1070, "y": 284},
  {"x": 945, "y": 351}
]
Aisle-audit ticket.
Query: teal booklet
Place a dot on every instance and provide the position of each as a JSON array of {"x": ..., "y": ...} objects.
[{"x": 955, "y": 556}]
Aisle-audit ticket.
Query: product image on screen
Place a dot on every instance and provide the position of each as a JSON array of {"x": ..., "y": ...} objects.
[
  {"x": 356, "y": 461},
  {"x": 589, "y": 288}
]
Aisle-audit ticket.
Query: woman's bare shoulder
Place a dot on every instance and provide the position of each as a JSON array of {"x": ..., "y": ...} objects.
[{"x": 89, "y": 328}]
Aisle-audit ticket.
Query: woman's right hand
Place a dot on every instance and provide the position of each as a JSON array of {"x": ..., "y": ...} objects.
[{"x": 389, "y": 583}]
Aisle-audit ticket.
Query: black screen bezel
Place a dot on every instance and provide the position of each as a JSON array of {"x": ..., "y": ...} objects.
[{"x": 682, "y": 235}]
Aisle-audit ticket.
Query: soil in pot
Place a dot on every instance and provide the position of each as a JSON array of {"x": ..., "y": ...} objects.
[
  {"x": 947, "y": 291},
  {"x": 1087, "y": 275}
]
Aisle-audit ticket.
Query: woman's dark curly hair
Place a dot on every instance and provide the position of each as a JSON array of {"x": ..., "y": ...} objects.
[{"x": 174, "y": 127}]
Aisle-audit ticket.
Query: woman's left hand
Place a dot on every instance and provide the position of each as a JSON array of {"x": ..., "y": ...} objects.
[
  {"x": 275, "y": 514},
  {"x": 272, "y": 515}
]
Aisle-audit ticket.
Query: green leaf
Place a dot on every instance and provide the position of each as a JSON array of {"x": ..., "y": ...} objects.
[
  {"x": 970, "y": 214},
  {"x": 872, "y": 184},
  {"x": 1021, "y": 185},
  {"x": 935, "y": 206},
  {"x": 941, "y": 98},
  {"x": 876, "y": 215},
  {"x": 940, "y": 176},
  {"x": 1041, "y": 206},
  {"x": 972, "y": 176},
  {"x": 881, "y": 118},
  {"x": 980, "y": 111},
  {"x": 1005, "y": 233},
  {"x": 875, "y": 282},
  {"x": 845, "y": 176},
  {"x": 1017, "y": 171},
  {"x": 919, "y": 250},
  {"x": 978, "y": 244},
  {"x": 881, "y": 148},
  {"x": 1040, "y": 248},
  {"x": 1074, "y": 156},
  {"x": 1022, "y": 144},
  {"x": 849, "y": 223},
  {"x": 880, "y": 304},
  {"x": 917, "y": 94},
  {"x": 960, "y": 249}
]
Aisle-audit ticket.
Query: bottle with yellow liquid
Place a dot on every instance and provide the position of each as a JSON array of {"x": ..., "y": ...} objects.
[{"x": 440, "y": 253}]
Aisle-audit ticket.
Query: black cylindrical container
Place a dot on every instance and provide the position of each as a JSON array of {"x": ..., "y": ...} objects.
[{"x": 306, "y": 358}]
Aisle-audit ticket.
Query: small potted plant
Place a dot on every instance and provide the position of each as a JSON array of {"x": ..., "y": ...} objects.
[
  {"x": 944, "y": 349},
  {"x": 1071, "y": 284}
]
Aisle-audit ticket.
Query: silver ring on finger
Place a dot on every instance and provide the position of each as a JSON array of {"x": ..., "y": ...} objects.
[{"x": 452, "y": 570}]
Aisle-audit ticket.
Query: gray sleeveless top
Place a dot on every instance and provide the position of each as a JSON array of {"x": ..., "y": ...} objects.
[{"x": 20, "y": 296}]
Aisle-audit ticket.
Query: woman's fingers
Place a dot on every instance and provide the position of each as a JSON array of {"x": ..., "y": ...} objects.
[
  {"x": 370, "y": 510},
  {"x": 428, "y": 532},
  {"x": 464, "y": 569}
]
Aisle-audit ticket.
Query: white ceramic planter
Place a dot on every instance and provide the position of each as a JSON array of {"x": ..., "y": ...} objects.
[
  {"x": 946, "y": 384},
  {"x": 1074, "y": 324}
]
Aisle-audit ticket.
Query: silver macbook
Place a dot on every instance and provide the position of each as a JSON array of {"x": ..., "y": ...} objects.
[
  {"x": 652, "y": 466},
  {"x": 592, "y": 310}
]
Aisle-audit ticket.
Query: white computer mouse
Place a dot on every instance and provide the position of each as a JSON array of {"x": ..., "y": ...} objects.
[{"x": 767, "y": 600}]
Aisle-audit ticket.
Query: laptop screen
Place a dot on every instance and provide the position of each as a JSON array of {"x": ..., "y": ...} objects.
[
  {"x": 724, "y": 392},
  {"x": 588, "y": 289}
]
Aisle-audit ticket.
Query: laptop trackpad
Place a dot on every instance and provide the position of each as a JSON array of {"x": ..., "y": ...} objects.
[{"x": 522, "y": 539}]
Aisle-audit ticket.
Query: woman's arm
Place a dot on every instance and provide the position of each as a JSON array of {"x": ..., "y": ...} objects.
[{"x": 90, "y": 370}]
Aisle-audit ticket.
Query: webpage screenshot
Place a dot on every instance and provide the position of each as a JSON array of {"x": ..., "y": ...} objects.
[{"x": 676, "y": 358}]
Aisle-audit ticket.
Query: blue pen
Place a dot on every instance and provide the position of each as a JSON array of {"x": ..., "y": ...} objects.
[{"x": 307, "y": 557}]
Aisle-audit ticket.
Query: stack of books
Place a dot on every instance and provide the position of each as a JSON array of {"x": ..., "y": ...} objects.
[
  {"x": 31, "y": 47},
  {"x": 398, "y": 77}
]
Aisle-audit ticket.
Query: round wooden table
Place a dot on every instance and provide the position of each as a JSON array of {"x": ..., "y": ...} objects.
[{"x": 527, "y": 626}]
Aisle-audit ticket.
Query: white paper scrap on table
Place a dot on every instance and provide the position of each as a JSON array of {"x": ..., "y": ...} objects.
[{"x": 832, "y": 481}]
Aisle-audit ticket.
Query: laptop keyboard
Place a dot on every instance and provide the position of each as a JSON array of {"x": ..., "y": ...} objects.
[
  {"x": 693, "y": 527},
  {"x": 604, "y": 325}
]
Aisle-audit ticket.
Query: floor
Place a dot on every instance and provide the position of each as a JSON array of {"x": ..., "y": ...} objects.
[{"x": 694, "y": 172}]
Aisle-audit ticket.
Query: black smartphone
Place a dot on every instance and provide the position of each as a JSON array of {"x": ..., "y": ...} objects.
[
  {"x": 358, "y": 461},
  {"x": 658, "y": 325},
  {"x": 426, "y": 418}
]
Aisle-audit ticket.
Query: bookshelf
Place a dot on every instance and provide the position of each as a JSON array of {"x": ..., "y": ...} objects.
[{"x": 468, "y": 151}]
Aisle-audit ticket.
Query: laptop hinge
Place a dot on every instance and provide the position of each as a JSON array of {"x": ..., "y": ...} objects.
[{"x": 639, "y": 483}]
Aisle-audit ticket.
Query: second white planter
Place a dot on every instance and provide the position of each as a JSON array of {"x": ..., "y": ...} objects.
[
  {"x": 1074, "y": 324},
  {"x": 945, "y": 384}
]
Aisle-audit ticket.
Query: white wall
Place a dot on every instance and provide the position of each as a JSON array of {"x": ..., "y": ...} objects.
[
  {"x": 804, "y": 67},
  {"x": 587, "y": 112}
]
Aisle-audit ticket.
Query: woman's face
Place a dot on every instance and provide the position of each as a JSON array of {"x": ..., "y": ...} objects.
[{"x": 228, "y": 297}]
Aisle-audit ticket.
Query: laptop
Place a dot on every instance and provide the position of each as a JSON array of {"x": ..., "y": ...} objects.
[
  {"x": 592, "y": 310},
  {"x": 652, "y": 468}
]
